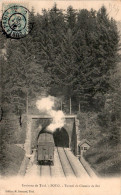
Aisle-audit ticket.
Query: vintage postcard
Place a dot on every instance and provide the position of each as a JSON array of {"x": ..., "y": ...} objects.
[{"x": 60, "y": 105}]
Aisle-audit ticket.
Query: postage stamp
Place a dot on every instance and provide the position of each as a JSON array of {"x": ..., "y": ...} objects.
[{"x": 15, "y": 21}]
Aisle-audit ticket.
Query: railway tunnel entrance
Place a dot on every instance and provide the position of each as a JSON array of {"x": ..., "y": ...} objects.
[
  {"x": 66, "y": 137},
  {"x": 61, "y": 138}
]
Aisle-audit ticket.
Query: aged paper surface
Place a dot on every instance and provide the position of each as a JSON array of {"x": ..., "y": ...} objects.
[{"x": 33, "y": 184}]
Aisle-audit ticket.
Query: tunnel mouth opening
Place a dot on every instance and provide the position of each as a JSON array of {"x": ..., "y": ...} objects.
[{"x": 61, "y": 138}]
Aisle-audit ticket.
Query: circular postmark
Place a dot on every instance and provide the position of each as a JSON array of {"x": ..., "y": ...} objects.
[{"x": 15, "y": 21}]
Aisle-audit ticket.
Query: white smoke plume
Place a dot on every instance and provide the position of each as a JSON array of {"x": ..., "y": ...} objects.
[{"x": 46, "y": 105}]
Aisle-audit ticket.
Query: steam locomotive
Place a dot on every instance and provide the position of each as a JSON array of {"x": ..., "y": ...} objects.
[{"x": 45, "y": 148}]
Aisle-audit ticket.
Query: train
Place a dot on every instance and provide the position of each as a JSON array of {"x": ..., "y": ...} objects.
[{"x": 45, "y": 149}]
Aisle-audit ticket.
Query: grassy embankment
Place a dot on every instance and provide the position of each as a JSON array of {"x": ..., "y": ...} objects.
[
  {"x": 11, "y": 160},
  {"x": 11, "y": 156},
  {"x": 106, "y": 160},
  {"x": 103, "y": 156}
]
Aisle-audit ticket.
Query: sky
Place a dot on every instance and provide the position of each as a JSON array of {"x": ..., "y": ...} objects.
[{"x": 113, "y": 7}]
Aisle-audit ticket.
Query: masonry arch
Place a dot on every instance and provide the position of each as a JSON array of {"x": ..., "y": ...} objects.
[
  {"x": 61, "y": 138},
  {"x": 67, "y": 137}
]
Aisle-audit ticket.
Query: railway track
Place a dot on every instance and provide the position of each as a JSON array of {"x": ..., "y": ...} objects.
[
  {"x": 65, "y": 165},
  {"x": 45, "y": 171},
  {"x": 76, "y": 165}
]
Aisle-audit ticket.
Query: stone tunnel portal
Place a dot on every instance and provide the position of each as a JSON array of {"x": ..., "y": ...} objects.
[{"x": 66, "y": 137}]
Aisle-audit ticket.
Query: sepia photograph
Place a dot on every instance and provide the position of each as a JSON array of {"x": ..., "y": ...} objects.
[{"x": 60, "y": 97}]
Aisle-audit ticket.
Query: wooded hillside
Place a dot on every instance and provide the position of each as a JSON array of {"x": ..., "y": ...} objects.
[{"x": 72, "y": 54}]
